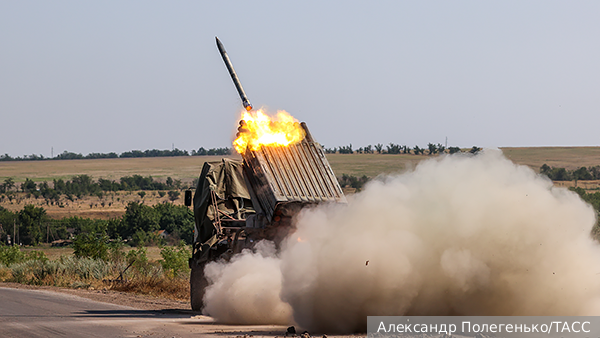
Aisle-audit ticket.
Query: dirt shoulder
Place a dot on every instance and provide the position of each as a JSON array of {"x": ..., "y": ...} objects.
[{"x": 138, "y": 301}]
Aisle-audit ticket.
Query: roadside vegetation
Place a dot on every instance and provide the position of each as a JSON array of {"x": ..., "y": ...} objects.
[
  {"x": 141, "y": 225},
  {"x": 106, "y": 253},
  {"x": 98, "y": 263}
]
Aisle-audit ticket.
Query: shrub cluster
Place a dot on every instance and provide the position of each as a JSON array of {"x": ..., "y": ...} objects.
[
  {"x": 125, "y": 272},
  {"x": 353, "y": 181},
  {"x": 562, "y": 174}
]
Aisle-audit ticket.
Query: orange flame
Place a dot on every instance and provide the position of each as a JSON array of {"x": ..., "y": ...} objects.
[{"x": 258, "y": 129}]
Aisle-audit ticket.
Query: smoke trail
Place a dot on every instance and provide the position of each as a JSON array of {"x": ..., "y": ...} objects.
[{"x": 459, "y": 235}]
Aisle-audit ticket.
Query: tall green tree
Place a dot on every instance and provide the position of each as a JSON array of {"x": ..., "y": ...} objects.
[
  {"x": 139, "y": 217},
  {"x": 28, "y": 185},
  {"x": 32, "y": 224},
  {"x": 8, "y": 184}
]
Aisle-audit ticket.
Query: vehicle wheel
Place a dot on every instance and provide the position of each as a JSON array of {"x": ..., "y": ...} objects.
[{"x": 197, "y": 285}]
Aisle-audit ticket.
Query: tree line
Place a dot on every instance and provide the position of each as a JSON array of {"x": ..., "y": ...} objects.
[
  {"x": 84, "y": 185},
  {"x": 562, "y": 174},
  {"x": 66, "y": 155},
  {"x": 139, "y": 225},
  {"x": 379, "y": 148},
  {"x": 393, "y": 148}
]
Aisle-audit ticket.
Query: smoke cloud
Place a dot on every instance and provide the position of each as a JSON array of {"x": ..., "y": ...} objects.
[{"x": 458, "y": 235}]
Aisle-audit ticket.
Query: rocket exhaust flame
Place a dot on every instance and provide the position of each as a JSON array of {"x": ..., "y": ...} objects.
[{"x": 258, "y": 129}]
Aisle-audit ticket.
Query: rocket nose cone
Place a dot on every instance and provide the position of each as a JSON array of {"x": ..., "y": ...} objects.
[{"x": 219, "y": 45}]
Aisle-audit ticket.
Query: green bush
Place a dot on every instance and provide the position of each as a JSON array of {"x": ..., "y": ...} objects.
[
  {"x": 138, "y": 259},
  {"x": 115, "y": 251},
  {"x": 35, "y": 255},
  {"x": 10, "y": 255},
  {"x": 91, "y": 245},
  {"x": 175, "y": 259}
]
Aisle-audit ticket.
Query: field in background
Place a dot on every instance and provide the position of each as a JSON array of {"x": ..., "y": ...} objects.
[
  {"x": 111, "y": 205},
  {"x": 184, "y": 168},
  {"x": 561, "y": 157},
  {"x": 188, "y": 168}
]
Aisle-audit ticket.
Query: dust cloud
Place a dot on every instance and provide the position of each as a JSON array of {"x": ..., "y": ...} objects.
[{"x": 458, "y": 235}]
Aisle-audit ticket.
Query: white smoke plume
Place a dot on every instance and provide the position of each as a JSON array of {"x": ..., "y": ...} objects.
[{"x": 458, "y": 235}]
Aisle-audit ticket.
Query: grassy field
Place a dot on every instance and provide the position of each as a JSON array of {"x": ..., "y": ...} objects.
[
  {"x": 188, "y": 168},
  {"x": 534, "y": 157},
  {"x": 183, "y": 168},
  {"x": 111, "y": 205},
  {"x": 561, "y": 157}
]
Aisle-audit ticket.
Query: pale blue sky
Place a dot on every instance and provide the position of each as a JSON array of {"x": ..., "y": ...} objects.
[{"x": 121, "y": 75}]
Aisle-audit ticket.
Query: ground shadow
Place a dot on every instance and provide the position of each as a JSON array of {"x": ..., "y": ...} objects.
[{"x": 165, "y": 313}]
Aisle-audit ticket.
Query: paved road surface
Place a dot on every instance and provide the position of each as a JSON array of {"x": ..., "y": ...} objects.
[{"x": 37, "y": 313}]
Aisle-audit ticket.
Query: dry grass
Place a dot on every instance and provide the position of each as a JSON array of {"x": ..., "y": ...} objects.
[
  {"x": 372, "y": 164},
  {"x": 111, "y": 205},
  {"x": 562, "y": 157},
  {"x": 184, "y": 168},
  {"x": 165, "y": 287},
  {"x": 534, "y": 157}
]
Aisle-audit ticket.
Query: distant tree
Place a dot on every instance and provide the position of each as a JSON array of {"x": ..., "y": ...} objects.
[
  {"x": 142, "y": 194},
  {"x": 31, "y": 220},
  {"x": 173, "y": 195},
  {"x": 453, "y": 150},
  {"x": 475, "y": 150},
  {"x": 432, "y": 148},
  {"x": 417, "y": 150},
  {"x": 201, "y": 152},
  {"x": 559, "y": 174},
  {"x": 582, "y": 174},
  {"x": 441, "y": 148},
  {"x": 28, "y": 186},
  {"x": 353, "y": 181},
  {"x": 393, "y": 148},
  {"x": 595, "y": 172},
  {"x": 545, "y": 169},
  {"x": 346, "y": 149},
  {"x": 379, "y": 148},
  {"x": 8, "y": 184},
  {"x": 6, "y": 157},
  {"x": 68, "y": 156}
]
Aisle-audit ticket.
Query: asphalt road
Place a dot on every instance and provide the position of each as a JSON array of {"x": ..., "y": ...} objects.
[{"x": 38, "y": 313}]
